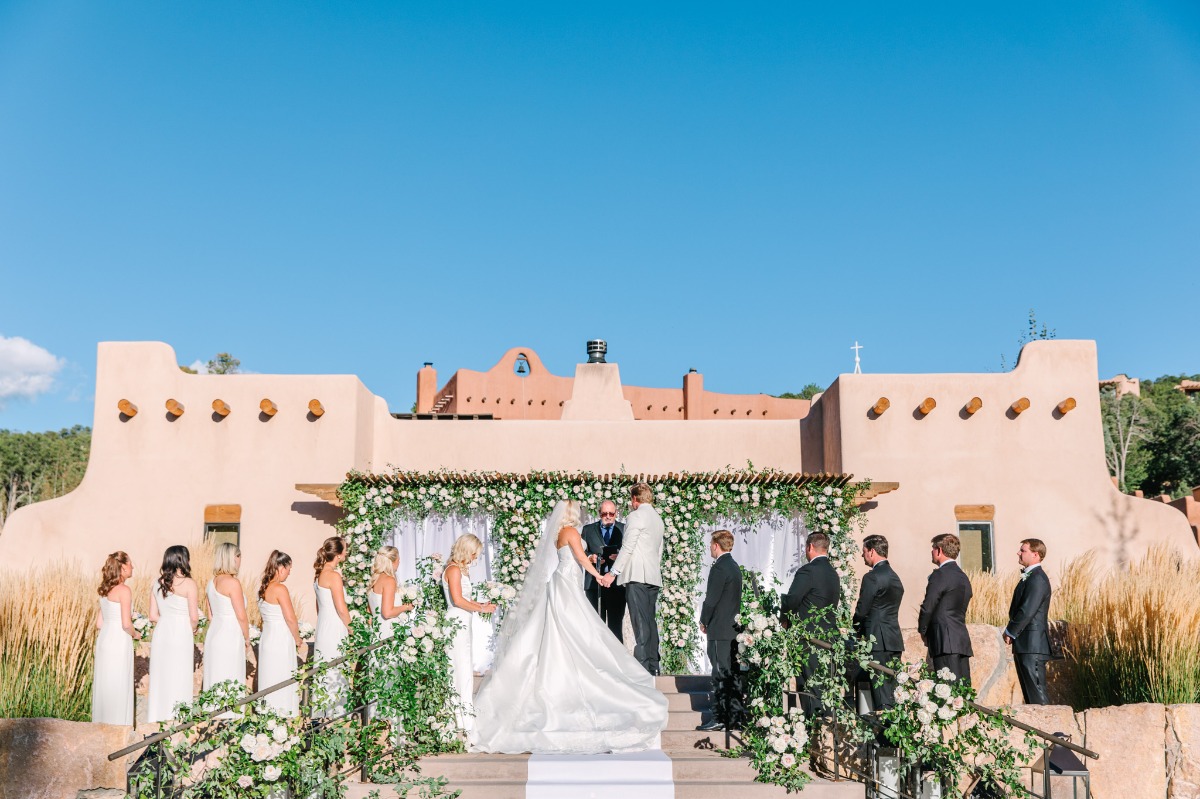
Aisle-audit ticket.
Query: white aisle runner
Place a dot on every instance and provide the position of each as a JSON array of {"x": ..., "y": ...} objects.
[{"x": 632, "y": 775}]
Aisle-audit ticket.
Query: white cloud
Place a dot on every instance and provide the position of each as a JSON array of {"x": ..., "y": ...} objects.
[
  {"x": 199, "y": 367},
  {"x": 26, "y": 370}
]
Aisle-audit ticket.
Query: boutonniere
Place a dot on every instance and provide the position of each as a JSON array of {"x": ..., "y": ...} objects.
[{"x": 1025, "y": 575}]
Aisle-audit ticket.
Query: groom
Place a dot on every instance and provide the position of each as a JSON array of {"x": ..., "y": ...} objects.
[{"x": 638, "y": 569}]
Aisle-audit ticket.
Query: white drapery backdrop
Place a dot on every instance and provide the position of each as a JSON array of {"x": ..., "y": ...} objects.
[{"x": 773, "y": 546}]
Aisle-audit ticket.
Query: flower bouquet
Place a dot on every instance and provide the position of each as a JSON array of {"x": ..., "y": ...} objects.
[
  {"x": 143, "y": 626},
  {"x": 496, "y": 593}
]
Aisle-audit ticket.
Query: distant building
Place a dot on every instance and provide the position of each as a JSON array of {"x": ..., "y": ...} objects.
[{"x": 1123, "y": 385}]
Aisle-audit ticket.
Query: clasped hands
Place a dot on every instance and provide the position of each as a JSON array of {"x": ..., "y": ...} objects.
[{"x": 607, "y": 579}]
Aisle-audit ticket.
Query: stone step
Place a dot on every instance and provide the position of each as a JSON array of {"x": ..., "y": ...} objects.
[
  {"x": 688, "y": 700},
  {"x": 678, "y": 741},
  {"x": 683, "y": 683},
  {"x": 686, "y": 719}
]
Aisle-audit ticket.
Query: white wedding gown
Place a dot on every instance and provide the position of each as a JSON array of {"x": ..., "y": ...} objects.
[{"x": 562, "y": 683}]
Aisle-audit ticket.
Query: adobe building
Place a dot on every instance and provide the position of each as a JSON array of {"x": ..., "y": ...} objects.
[{"x": 995, "y": 457}]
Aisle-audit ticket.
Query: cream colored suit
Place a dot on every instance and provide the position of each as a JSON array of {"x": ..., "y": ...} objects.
[{"x": 640, "y": 558}]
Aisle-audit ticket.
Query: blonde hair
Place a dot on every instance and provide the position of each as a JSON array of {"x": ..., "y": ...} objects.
[
  {"x": 225, "y": 559},
  {"x": 384, "y": 563},
  {"x": 723, "y": 539},
  {"x": 465, "y": 548},
  {"x": 642, "y": 493},
  {"x": 571, "y": 515}
]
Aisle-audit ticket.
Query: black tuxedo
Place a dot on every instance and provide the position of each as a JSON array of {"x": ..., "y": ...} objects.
[
  {"x": 1029, "y": 627},
  {"x": 815, "y": 586},
  {"x": 877, "y": 616},
  {"x": 943, "y": 620},
  {"x": 722, "y": 603},
  {"x": 608, "y": 602}
]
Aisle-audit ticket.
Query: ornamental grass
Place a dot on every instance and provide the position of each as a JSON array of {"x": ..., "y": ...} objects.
[
  {"x": 47, "y": 641},
  {"x": 1132, "y": 635}
]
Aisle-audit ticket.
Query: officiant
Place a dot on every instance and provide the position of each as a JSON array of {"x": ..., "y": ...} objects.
[{"x": 602, "y": 540}]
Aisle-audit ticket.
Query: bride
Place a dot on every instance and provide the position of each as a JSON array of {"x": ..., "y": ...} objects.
[{"x": 562, "y": 683}]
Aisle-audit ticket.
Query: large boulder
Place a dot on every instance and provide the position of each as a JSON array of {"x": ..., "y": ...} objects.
[
  {"x": 993, "y": 672},
  {"x": 1130, "y": 741},
  {"x": 1183, "y": 751},
  {"x": 1052, "y": 719},
  {"x": 55, "y": 759}
]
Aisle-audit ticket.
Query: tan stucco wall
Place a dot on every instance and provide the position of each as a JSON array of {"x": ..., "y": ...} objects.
[
  {"x": 149, "y": 479},
  {"x": 1044, "y": 472}
]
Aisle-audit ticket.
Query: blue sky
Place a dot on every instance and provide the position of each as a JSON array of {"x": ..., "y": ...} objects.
[{"x": 743, "y": 189}]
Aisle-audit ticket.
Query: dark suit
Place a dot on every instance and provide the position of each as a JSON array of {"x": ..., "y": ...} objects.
[
  {"x": 608, "y": 602},
  {"x": 877, "y": 616},
  {"x": 943, "y": 620},
  {"x": 1029, "y": 627},
  {"x": 815, "y": 587},
  {"x": 722, "y": 602}
]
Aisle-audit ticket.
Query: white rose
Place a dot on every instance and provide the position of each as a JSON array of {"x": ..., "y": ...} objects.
[
  {"x": 924, "y": 716},
  {"x": 945, "y": 713},
  {"x": 248, "y": 743},
  {"x": 280, "y": 734},
  {"x": 779, "y": 744},
  {"x": 272, "y": 773},
  {"x": 787, "y": 760},
  {"x": 942, "y": 691}
]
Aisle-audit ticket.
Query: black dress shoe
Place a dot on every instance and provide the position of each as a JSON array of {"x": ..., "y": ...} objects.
[{"x": 711, "y": 726}]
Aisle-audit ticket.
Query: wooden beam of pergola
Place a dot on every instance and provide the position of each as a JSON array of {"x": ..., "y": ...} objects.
[{"x": 328, "y": 491}]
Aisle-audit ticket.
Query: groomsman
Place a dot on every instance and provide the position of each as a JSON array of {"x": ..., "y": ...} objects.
[
  {"x": 1028, "y": 627},
  {"x": 814, "y": 588},
  {"x": 718, "y": 617},
  {"x": 943, "y": 618},
  {"x": 603, "y": 541},
  {"x": 877, "y": 616}
]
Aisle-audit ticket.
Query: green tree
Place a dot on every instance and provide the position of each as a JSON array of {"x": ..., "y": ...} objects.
[
  {"x": 1127, "y": 421},
  {"x": 1173, "y": 447},
  {"x": 224, "y": 364},
  {"x": 808, "y": 392},
  {"x": 40, "y": 466},
  {"x": 1032, "y": 333}
]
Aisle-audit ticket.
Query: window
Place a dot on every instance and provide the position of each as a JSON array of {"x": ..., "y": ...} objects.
[
  {"x": 977, "y": 534},
  {"x": 223, "y": 524},
  {"x": 977, "y": 546},
  {"x": 223, "y": 533}
]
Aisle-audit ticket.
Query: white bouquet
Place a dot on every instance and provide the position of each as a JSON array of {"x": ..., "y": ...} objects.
[
  {"x": 255, "y": 634},
  {"x": 307, "y": 631},
  {"x": 142, "y": 625},
  {"x": 494, "y": 592}
]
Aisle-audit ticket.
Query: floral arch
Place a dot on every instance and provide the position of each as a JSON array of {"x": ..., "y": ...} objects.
[{"x": 517, "y": 504}]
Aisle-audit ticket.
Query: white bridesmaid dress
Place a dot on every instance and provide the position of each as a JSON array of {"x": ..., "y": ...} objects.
[
  {"x": 171, "y": 670},
  {"x": 224, "y": 646},
  {"x": 462, "y": 664},
  {"x": 328, "y": 646},
  {"x": 112, "y": 680},
  {"x": 277, "y": 660},
  {"x": 375, "y": 601}
]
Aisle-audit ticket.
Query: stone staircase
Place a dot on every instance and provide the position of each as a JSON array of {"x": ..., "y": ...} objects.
[{"x": 700, "y": 770}]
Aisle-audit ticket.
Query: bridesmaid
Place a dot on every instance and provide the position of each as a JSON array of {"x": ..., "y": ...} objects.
[
  {"x": 333, "y": 621},
  {"x": 382, "y": 596},
  {"x": 226, "y": 644},
  {"x": 174, "y": 611},
  {"x": 457, "y": 585},
  {"x": 112, "y": 681},
  {"x": 280, "y": 643}
]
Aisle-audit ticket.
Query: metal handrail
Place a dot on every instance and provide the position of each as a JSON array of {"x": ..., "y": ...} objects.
[
  {"x": 1043, "y": 734},
  {"x": 308, "y": 671}
]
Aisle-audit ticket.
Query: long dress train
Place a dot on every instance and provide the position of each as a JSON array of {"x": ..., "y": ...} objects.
[{"x": 565, "y": 684}]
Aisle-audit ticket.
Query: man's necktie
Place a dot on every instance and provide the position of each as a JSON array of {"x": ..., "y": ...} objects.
[{"x": 607, "y": 535}]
